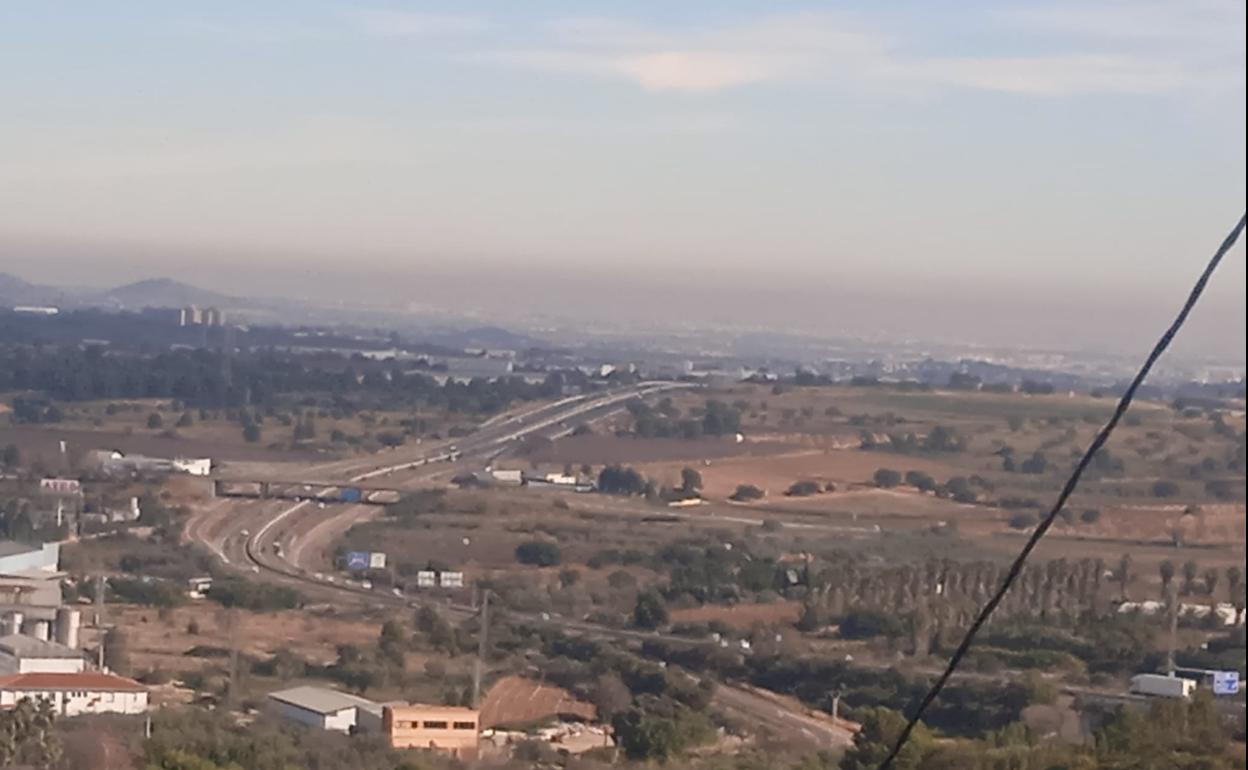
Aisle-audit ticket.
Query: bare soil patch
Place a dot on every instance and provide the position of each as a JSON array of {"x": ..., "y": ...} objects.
[
  {"x": 775, "y": 471},
  {"x": 607, "y": 450},
  {"x": 514, "y": 700},
  {"x": 742, "y": 616}
]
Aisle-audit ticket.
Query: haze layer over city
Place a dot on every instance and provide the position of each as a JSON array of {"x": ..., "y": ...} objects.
[{"x": 823, "y": 169}]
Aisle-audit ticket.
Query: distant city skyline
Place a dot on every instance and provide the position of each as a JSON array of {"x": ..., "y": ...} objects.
[{"x": 908, "y": 165}]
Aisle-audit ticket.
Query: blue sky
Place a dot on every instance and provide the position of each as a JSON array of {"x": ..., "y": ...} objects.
[{"x": 983, "y": 144}]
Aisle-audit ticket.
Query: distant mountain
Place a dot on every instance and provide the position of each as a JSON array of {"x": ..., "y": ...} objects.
[
  {"x": 163, "y": 292},
  {"x": 15, "y": 291}
]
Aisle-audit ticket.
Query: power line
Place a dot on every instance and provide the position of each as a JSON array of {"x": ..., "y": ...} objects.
[{"x": 1101, "y": 437}]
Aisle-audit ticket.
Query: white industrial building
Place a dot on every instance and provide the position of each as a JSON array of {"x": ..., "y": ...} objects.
[
  {"x": 21, "y": 654},
  {"x": 115, "y": 462},
  {"x": 75, "y": 694},
  {"x": 321, "y": 707},
  {"x": 16, "y": 557},
  {"x": 40, "y": 645}
]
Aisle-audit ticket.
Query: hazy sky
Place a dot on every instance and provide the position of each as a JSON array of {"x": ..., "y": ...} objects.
[{"x": 853, "y": 145}]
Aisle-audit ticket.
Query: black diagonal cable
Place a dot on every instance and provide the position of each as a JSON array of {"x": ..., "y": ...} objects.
[{"x": 1067, "y": 489}]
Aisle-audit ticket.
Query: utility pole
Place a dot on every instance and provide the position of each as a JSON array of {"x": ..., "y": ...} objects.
[
  {"x": 482, "y": 646},
  {"x": 836, "y": 704},
  {"x": 1174, "y": 629},
  {"x": 99, "y": 620},
  {"x": 232, "y": 622}
]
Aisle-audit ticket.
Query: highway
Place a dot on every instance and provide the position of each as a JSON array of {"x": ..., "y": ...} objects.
[
  {"x": 284, "y": 541},
  {"x": 492, "y": 437}
]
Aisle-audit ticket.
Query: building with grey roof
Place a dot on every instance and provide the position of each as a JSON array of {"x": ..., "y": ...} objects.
[
  {"x": 320, "y": 707},
  {"x": 22, "y": 654}
]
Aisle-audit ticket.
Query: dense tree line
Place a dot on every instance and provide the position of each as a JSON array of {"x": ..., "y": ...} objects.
[
  {"x": 940, "y": 439},
  {"x": 201, "y": 378},
  {"x": 1171, "y": 734},
  {"x": 665, "y": 420}
]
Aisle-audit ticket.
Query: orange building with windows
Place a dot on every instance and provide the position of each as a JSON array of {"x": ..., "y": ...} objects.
[{"x": 453, "y": 729}]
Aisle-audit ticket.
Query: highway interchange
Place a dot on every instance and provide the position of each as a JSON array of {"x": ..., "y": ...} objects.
[{"x": 284, "y": 541}]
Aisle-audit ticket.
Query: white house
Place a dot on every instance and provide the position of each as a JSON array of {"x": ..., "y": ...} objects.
[
  {"x": 74, "y": 694},
  {"x": 198, "y": 466},
  {"x": 319, "y": 707}
]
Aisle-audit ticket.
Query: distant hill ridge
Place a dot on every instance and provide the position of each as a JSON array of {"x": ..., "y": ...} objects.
[
  {"x": 150, "y": 292},
  {"x": 164, "y": 292}
]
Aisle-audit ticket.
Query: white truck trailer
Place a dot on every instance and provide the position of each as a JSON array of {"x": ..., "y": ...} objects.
[{"x": 1162, "y": 686}]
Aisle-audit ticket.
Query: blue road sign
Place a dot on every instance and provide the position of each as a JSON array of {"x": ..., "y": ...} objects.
[{"x": 1225, "y": 682}]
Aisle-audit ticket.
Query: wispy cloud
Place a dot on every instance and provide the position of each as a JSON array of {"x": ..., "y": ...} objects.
[
  {"x": 768, "y": 50},
  {"x": 1086, "y": 52}
]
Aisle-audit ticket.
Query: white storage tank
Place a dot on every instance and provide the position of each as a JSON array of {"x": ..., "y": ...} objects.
[
  {"x": 68, "y": 621},
  {"x": 38, "y": 628},
  {"x": 11, "y": 623}
]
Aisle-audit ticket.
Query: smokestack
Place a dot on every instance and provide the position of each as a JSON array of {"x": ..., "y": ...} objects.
[{"x": 68, "y": 621}]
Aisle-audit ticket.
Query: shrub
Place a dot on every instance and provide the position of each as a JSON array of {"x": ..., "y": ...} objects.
[
  {"x": 747, "y": 492},
  {"x": 538, "y": 553},
  {"x": 650, "y": 611},
  {"x": 887, "y": 477},
  {"x": 1024, "y": 521},
  {"x": 920, "y": 481},
  {"x": 1165, "y": 488},
  {"x": 259, "y": 597},
  {"x": 866, "y": 624},
  {"x": 803, "y": 489}
]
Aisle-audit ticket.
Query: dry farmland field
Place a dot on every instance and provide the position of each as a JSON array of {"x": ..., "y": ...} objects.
[{"x": 1169, "y": 486}]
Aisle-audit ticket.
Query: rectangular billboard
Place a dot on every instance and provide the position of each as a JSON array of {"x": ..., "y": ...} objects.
[
  {"x": 426, "y": 578},
  {"x": 376, "y": 560},
  {"x": 60, "y": 486},
  {"x": 451, "y": 579},
  {"x": 357, "y": 560}
]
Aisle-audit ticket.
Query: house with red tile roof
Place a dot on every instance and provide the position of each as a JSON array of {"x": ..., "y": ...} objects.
[{"x": 72, "y": 694}]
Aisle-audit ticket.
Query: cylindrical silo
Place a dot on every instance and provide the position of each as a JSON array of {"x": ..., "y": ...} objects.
[
  {"x": 11, "y": 623},
  {"x": 67, "y": 622},
  {"x": 38, "y": 628}
]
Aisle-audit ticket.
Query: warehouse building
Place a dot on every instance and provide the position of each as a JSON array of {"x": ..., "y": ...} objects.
[
  {"x": 21, "y": 654},
  {"x": 319, "y": 707}
]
